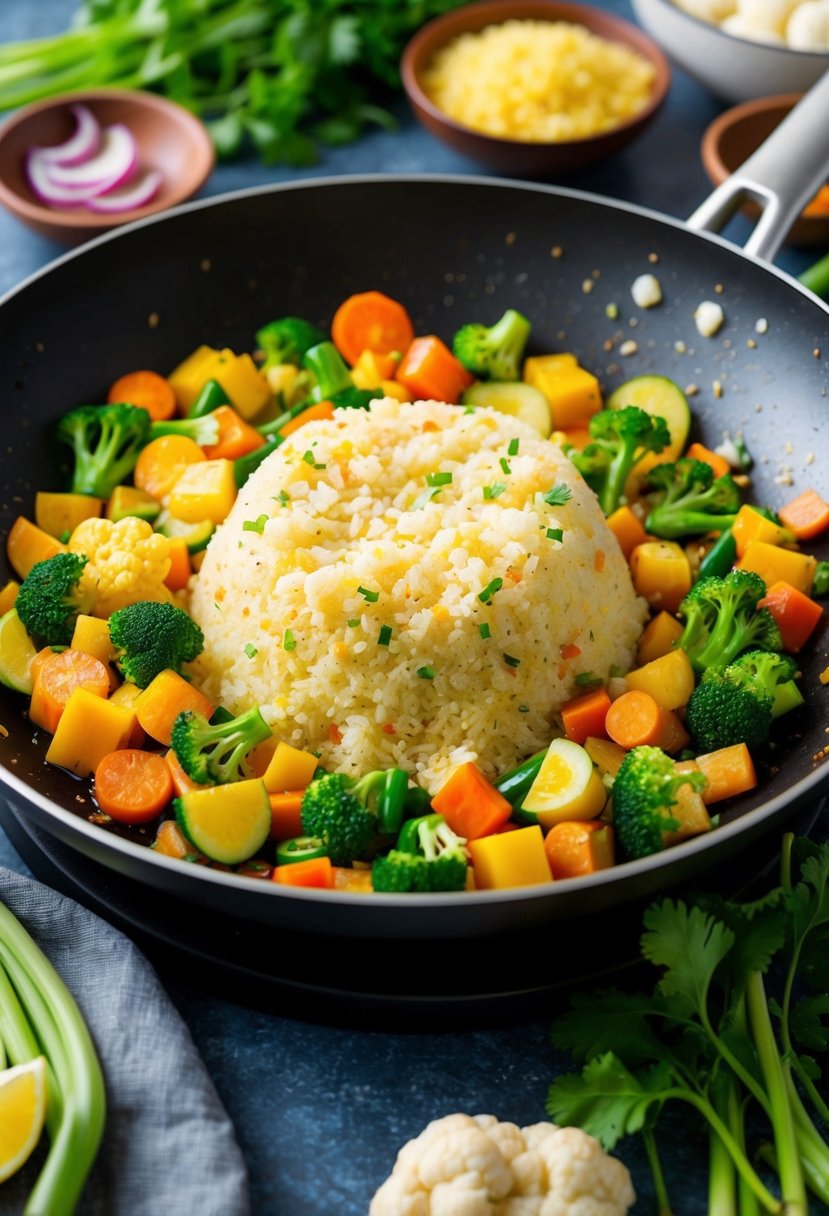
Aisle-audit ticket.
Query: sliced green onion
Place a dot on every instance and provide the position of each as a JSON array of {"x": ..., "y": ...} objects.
[
  {"x": 555, "y": 533},
  {"x": 438, "y": 479},
  {"x": 371, "y": 596},
  {"x": 504, "y": 463},
  {"x": 512, "y": 450},
  {"x": 352, "y": 624},
  {"x": 489, "y": 590},
  {"x": 288, "y": 641},
  {"x": 586, "y": 678},
  {"x": 484, "y": 630},
  {"x": 423, "y": 499},
  {"x": 251, "y": 651},
  {"x": 255, "y": 525},
  {"x": 511, "y": 660},
  {"x": 385, "y": 635},
  {"x": 426, "y": 673},
  {"x": 497, "y": 487}
]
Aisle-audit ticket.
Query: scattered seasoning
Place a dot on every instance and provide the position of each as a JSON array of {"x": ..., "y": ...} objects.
[
  {"x": 558, "y": 495},
  {"x": 489, "y": 590},
  {"x": 511, "y": 660},
  {"x": 371, "y": 596},
  {"x": 485, "y": 632},
  {"x": 251, "y": 651},
  {"x": 438, "y": 479},
  {"x": 761, "y": 326},
  {"x": 680, "y": 347},
  {"x": 352, "y": 624},
  {"x": 497, "y": 487},
  {"x": 504, "y": 463},
  {"x": 512, "y": 450},
  {"x": 523, "y": 709},
  {"x": 691, "y": 390},
  {"x": 555, "y": 533},
  {"x": 716, "y": 388},
  {"x": 628, "y": 348},
  {"x": 384, "y": 636},
  {"x": 556, "y": 251},
  {"x": 255, "y": 525},
  {"x": 653, "y": 258},
  {"x": 470, "y": 409},
  {"x": 611, "y": 311},
  {"x": 426, "y": 673},
  {"x": 423, "y": 499},
  {"x": 288, "y": 641},
  {"x": 587, "y": 286}
]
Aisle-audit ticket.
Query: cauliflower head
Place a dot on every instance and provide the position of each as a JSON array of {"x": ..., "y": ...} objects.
[
  {"x": 477, "y": 1166},
  {"x": 128, "y": 562}
]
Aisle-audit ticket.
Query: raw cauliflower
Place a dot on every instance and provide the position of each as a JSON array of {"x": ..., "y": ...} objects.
[
  {"x": 128, "y": 562},
  {"x": 475, "y": 1166}
]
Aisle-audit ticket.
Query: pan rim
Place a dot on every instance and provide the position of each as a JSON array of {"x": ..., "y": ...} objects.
[{"x": 627, "y": 873}]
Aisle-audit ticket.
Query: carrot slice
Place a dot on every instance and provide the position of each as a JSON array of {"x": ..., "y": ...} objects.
[
  {"x": 718, "y": 464},
  {"x": 581, "y": 847},
  {"x": 162, "y": 462},
  {"x": 317, "y": 872},
  {"x": 168, "y": 695},
  {"x": 585, "y": 715},
  {"x": 286, "y": 815},
  {"x": 635, "y": 720},
  {"x": 430, "y": 371},
  {"x": 148, "y": 390},
  {"x": 236, "y": 437},
  {"x": 133, "y": 786},
  {"x": 314, "y": 413},
  {"x": 370, "y": 321},
  {"x": 730, "y": 771},
  {"x": 797, "y": 615},
  {"x": 470, "y": 804},
  {"x": 57, "y": 678},
  {"x": 170, "y": 841},
  {"x": 807, "y": 515}
]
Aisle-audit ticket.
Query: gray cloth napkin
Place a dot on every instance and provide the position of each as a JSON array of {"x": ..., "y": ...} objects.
[{"x": 168, "y": 1144}]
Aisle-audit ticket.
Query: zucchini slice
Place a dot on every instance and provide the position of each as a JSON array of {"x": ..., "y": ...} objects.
[
  {"x": 228, "y": 823},
  {"x": 196, "y": 536},
  {"x": 513, "y": 397},
  {"x": 665, "y": 399}
]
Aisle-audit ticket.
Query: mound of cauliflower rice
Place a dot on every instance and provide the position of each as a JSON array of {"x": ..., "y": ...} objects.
[{"x": 393, "y": 589}]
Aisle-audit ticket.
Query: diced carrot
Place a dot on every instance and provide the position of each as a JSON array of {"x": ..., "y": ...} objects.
[
  {"x": 170, "y": 841},
  {"x": 163, "y": 700},
  {"x": 148, "y": 390},
  {"x": 316, "y": 872},
  {"x": 807, "y": 515},
  {"x": 635, "y": 720},
  {"x": 286, "y": 816},
  {"x": 575, "y": 848},
  {"x": 133, "y": 786},
  {"x": 796, "y": 614},
  {"x": 323, "y": 410},
  {"x": 182, "y": 784},
  {"x": 236, "y": 437},
  {"x": 585, "y": 715},
  {"x": 162, "y": 462},
  {"x": 628, "y": 530},
  {"x": 718, "y": 464},
  {"x": 730, "y": 771},
  {"x": 27, "y": 544},
  {"x": 181, "y": 567},
  {"x": 372, "y": 321},
  {"x": 430, "y": 370},
  {"x": 57, "y": 678},
  {"x": 470, "y": 804}
]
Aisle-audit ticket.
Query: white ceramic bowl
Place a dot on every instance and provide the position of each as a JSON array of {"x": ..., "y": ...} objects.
[{"x": 733, "y": 68}]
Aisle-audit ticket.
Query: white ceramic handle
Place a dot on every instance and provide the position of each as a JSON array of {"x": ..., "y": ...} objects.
[{"x": 782, "y": 176}]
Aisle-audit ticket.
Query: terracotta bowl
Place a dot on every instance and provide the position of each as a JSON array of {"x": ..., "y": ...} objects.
[
  {"x": 731, "y": 139},
  {"x": 169, "y": 138},
  {"x": 512, "y": 156}
]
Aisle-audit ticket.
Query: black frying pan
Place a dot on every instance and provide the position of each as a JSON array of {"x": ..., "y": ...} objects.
[{"x": 451, "y": 249}]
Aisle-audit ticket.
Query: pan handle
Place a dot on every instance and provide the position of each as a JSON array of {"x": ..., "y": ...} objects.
[{"x": 782, "y": 175}]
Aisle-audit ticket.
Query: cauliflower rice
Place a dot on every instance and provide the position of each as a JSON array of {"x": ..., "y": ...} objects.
[{"x": 383, "y": 621}]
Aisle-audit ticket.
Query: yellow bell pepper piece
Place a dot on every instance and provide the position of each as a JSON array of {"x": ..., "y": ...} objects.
[
  {"x": 751, "y": 525},
  {"x": 573, "y": 393},
  {"x": 238, "y": 375},
  {"x": 58, "y": 514},
  {"x": 91, "y": 635},
  {"x": 289, "y": 769},
  {"x": 189, "y": 378},
  {"x": 26, "y": 545},
  {"x": 89, "y": 729},
  {"x": 669, "y": 679},
  {"x": 510, "y": 859},
  {"x": 661, "y": 573},
  {"x": 659, "y": 637},
  {"x": 372, "y": 368},
  {"x": 8, "y": 595},
  {"x": 281, "y": 378},
  {"x": 129, "y": 500},
  {"x": 393, "y": 388},
  {"x": 628, "y": 530},
  {"x": 773, "y": 564},
  {"x": 206, "y": 490}
]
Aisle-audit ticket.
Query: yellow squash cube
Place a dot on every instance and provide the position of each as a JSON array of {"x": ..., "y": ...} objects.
[
  {"x": 670, "y": 679},
  {"x": 572, "y": 392},
  {"x": 58, "y": 514},
  {"x": 27, "y": 544},
  {"x": 751, "y": 525},
  {"x": 289, "y": 769},
  {"x": 510, "y": 859},
  {"x": 661, "y": 573},
  {"x": 91, "y": 635},
  {"x": 89, "y": 729},
  {"x": 206, "y": 490},
  {"x": 659, "y": 637},
  {"x": 773, "y": 564},
  {"x": 8, "y": 595}
]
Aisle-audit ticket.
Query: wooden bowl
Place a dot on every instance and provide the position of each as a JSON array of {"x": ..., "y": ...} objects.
[
  {"x": 520, "y": 158},
  {"x": 169, "y": 138},
  {"x": 731, "y": 139}
]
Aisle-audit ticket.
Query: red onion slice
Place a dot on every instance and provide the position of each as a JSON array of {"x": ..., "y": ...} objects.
[
  {"x": 37, "y": 171},
  {"x": 80, "y": 146},
  {"x": 134, "y": 194},
  {"x": 113, "y": 164}
]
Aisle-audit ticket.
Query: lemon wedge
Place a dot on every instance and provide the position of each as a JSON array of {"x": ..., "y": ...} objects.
[
  {"x": 22, "y": 1113},
  {"x": 566, "y": 787},
  {"x": 16, "y": 653}
]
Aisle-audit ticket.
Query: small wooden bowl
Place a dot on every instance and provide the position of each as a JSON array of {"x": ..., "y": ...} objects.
[
  {"x": 520, "y": 158},
  {"x": 169, "y": 138},
  {"x": 731, "y": 139}
]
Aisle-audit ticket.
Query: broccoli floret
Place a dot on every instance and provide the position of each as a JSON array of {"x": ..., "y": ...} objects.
[
  {"x": 722, "y": 619},
  {"x": 644, "y": 790},
  {"x": 820, "y": 585},
  {"x": 737, "y": 704},
  {"x": 106, "y": 441},
  {"x": 494, "y": 352},
  {"x": 203, "y": 429},
  {"x": 216, "y": 753},
  {"x": 50, "y": 598},
  {"x": 429, "y": 857},
  {"x": 287, "y": 340},
  {"x": 329, "y": 369},
  {"x": 151, "y": 637},
  {"x": 619, "y": 440},
  {"x": 763, "y": 669},
  {"x": 688, "y": 501},
  {"x": 341, "y": 811}
]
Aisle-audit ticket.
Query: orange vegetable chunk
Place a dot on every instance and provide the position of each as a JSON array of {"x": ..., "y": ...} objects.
[
  {"x": 636, "y": 720},
  {"x": 236, "y": 437},
  {"x": 162, "y": 462},
  {"x": 322, "y": 411},
  {"x": 371, "y": 321},
  {"x": 659, "y": 637},
  {"x": 57, "y": 677},
  {"x": 470, "y": 804},
  {"x": 628, "y": 530},
  {"x": 661, "y": 573},
  {"x": 796, "y": 614},
  {"x": 718, "y": 465},
  {"x": 316, "y": 872},
  {"x": 27, "y": 544},
  {"x": 575, "y": 848},
  {"x": 147, "y": 390},
  {"x": 133, "y": 786},
  {"x": 431, "y": 372},
  {"x": 510, "y": 859},
  {"x": 806, "y": 516},
  {"x": 164, "y": 699},
  {"x": 585, "y": 715},
  {"x": 286, "y": 815},
  {"x": 730, "y": 771},
  {"x": 89, "y": 727}
]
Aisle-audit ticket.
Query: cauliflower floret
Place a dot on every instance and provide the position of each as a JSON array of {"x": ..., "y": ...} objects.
[
  {"x": 765, "y": 16},
  {"x": 808, "y": 26},
  {"x": 128, "y": 562},
  {"x": 464, "y": 1166},
  {"x": 740, "y": 27},
  {"x": 708, "y": 10}
]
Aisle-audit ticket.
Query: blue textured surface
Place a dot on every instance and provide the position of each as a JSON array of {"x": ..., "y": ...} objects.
[{"x": 320, "y": 1112}]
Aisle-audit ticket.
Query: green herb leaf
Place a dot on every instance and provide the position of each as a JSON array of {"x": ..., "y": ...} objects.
[
  {"x": 558, "y": 495},
  {"x": 255, "y": 525},
  {"x": 690, "y": 944},
  {"x": 606, "y": 1100},
  {"x": 494, "y": 490}
]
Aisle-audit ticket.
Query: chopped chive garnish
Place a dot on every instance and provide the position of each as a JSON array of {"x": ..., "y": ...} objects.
[
  {"x": 523, "y": 709},
  {"x": 251, "y": 651},
  {"x": 255, "y": 525},
  {"x": 494, "y": 490},
  {"x": 511, "y": 660},
  {"x": 485, "y": 631},
  {"x": 615, "y": 671},
  {"x": 513, "y": 447},
  {"x": 425, "y": 498},
  {"x": 558, "y": 495},
  {"x": 426, "y": 673},
  {"x": 470, "y": 409},
  {"x": 489, "y": 590},
  {"x": 585, "y": 678},
  {"x": 308, "y": 457},
  {"x": 438, "y": 479},
  {"x": 371, "y": 596},
  {"x": 555, "y": 533},
  {"x": 352, "y": 624},
  {"x": 385, "y": 635},
  {"x": 504, "y": 463},
  {"x": 284, "y": 497},
  {"x": 288, "y": 641}
]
